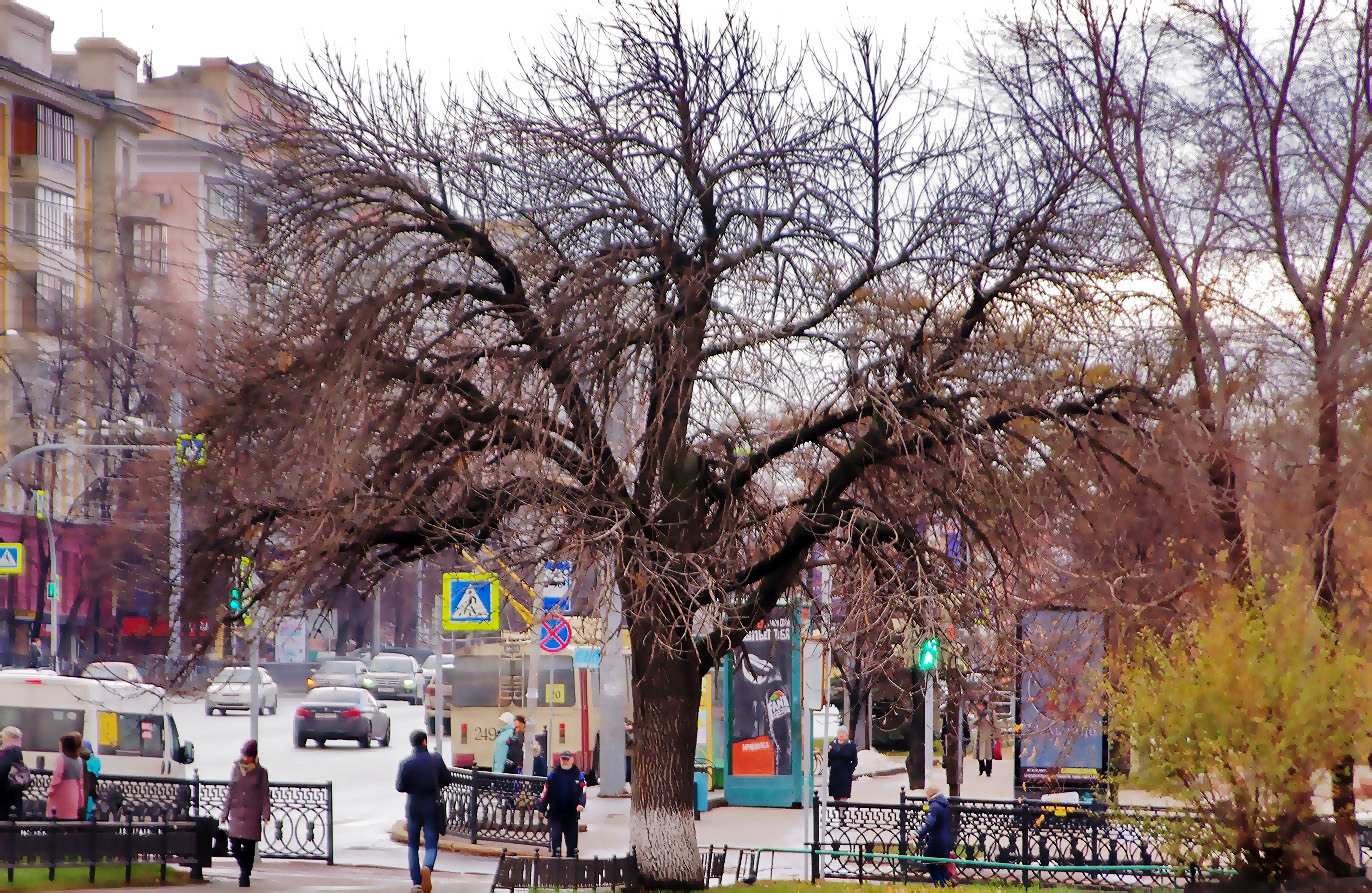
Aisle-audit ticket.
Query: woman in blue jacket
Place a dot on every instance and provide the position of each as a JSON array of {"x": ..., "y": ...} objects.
[{"x": 936, "y": 835}]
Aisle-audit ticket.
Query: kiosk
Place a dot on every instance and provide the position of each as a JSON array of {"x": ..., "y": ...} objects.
[{"x": 763, "y": 717}]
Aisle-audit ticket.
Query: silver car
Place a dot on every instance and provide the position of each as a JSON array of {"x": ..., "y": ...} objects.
[
  {"x": 395, "y": 676},
  {"x": 340, "y": 671},
  {"x": 231, "y": 689}
]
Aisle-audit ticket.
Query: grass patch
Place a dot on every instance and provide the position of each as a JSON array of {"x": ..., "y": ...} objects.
[{"x": 78, "y": 878}]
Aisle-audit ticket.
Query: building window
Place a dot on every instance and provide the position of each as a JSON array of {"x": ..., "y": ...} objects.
[
  {"x": 56, "y": 299},
  {"x": 56, "y": 217},
  {"x": 226, "y": 202},
  {"x": 150, "y": 248},
  {"x": 56, "y": 134}
]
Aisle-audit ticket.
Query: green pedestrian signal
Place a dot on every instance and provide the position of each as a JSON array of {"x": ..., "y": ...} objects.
[{"x": 928, "y": 654}]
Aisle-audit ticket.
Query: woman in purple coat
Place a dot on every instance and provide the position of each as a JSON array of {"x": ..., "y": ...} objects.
[{"x": 247, "y": 809}]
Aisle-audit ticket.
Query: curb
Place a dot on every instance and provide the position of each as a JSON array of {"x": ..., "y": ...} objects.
[{"x": 450, "y": 844}]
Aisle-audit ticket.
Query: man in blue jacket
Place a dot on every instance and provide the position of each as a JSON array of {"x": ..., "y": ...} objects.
[
  {"x": 563, "y": 799},
  {"x": 936, "y": 834},
  {"x": 422, "y": 777}
]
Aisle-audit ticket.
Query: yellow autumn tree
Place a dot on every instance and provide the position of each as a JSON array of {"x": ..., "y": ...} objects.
[{"x": 1236, "y": 714}]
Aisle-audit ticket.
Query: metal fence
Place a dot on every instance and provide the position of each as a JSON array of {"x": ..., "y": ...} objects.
[
  {"x": 301, "y": 825},
  {"x": 54, "y": 845},
  {"x": 1053, "y": 843},
  {"x": 495, "y": 807}
]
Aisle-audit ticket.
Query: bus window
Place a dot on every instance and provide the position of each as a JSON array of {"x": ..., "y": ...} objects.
[
  {"x": 137, "y": 734},
  {"x": 558, "y": 681},
  {"x": 43, "y": 727},
  {"x": 476, "y": 680}
]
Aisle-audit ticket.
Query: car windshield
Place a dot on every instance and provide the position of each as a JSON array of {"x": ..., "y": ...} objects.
[
  {"x": 234, "y": 674},
  {"x": 385, "y": 664},
  {"x": 338, "y": 666},
  {"x": 116, "y": 672},
  {"x": 335, "y": 696}
]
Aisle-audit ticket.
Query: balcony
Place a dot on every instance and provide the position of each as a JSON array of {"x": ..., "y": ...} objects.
[
  {"x": 138, "y": 204},
  {"x": 41, "y": 237},
  {"x": 38, "y": 169}
]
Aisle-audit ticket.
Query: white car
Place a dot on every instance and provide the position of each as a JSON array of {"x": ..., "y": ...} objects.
[
  {"x": 231, "y": 689},
  {"x": 112, "y": 671},
  {"x": 395, "y": 676}
]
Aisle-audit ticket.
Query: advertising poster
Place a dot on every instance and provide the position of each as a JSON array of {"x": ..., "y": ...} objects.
[
  {"x": 291, "y": 641},
  {"x": 1062, "y": 735},
  {"x": 761, "y": 743}
]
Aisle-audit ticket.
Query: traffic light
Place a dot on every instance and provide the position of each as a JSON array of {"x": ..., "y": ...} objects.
[
  {"x": 235, "y": 601},
  {"x": 928, "y": 654}
]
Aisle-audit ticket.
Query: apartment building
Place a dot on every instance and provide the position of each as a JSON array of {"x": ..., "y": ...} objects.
[{"x": 119, "y": 201}]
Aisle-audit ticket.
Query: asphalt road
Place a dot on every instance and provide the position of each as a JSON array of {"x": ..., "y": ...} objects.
[{"x": 366, "y": 803}]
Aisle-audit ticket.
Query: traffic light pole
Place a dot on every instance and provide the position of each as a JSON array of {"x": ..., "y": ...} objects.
[{"x": 928, "y": 726}]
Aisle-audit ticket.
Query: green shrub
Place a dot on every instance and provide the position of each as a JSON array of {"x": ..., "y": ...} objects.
[{"x": 1236, "y": 715}]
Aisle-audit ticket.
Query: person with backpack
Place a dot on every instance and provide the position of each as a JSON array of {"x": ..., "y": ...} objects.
[
  {"x": 90, "y": 778},
  {"x": 14, "y": 775},
  {"x": 65, "y": 792}
]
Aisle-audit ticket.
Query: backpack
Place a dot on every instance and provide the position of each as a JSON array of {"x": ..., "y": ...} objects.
[
  {"x": 90, "y": 782},
  {"x": 19, "y": 777}
]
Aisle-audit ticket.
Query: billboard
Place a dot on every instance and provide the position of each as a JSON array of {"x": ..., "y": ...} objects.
[
  {"x": 760, "y": 743},
  {"x": 1061, "y": 740}
]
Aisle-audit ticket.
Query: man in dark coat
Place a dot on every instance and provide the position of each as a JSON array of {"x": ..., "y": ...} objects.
[
  {"x": 843, "y": 757},
  {"x": 563, "y": 799},
  {"x": 422, "y": 777},
  {"x": 936, "y": 835},
  {"x": 11, "y": 752}
]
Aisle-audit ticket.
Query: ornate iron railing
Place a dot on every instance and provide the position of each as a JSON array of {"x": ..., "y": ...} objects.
[
  {"x": 301, "y": 825},
  {"x": 496, "y": 807}
]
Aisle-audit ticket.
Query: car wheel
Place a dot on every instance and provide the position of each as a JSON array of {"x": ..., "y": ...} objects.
[
  {"x": 275, "y": 704},
  {"x": 386, "y": 739},
  {"x": 299, "y": 740},
  {"x": 209, "y": 711},
  {"x": 319, "y": 741},
  {"x": 365, "y": 741},
  {"x": 431, "y": 725}
]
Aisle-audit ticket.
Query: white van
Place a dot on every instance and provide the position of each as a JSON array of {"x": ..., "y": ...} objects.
[{"x": 126, "y": 722}]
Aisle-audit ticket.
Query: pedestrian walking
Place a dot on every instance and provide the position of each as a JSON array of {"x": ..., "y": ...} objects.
[
  {"x": 987, "y": 734},
  {"x": 65, "y": 791},
  {"x": 500, "y": 752},
  {"x": 563, "y": 800},
  {"x": 628, "y": 752},
  {"x": 90, "y": 778},
  {"x": 247, "y": 809},
  {"x": 540, "y": 762},
  {"x": 843, "y": 758},
  {"x": 936, "y": 835},
  {"x": 515, "y": 758},
  {"x": 421, "y": 778},
  {"x": 11, "y": 790}
]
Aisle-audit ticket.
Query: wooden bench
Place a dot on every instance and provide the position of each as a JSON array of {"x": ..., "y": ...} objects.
[{"x": 549, "y": 872}]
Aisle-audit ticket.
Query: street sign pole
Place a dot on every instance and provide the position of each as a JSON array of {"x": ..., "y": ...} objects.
[
  {"x": 174, "y": 540},
  {"x": 254, "y": 693},
  {"x": 531, "y": 695},
  {"x": 436, "y": 643}
]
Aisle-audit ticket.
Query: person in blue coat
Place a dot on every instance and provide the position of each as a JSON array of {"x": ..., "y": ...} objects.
[
  {"x": 500, "y": 753},
  {"x": 936, "y": 835}
]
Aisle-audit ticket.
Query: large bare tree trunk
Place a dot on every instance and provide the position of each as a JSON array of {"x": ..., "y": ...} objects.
[{"x": 667, "y": 689}]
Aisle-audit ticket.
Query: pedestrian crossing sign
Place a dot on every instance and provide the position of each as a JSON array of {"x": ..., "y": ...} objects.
[
  {"x": 471, "y": 602},
  {"x": 11, "y": 558}
]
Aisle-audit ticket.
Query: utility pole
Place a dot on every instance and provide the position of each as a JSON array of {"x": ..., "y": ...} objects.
[
  {"x": 45, "y": 505},
  {"x": 376, "y": 623},
  {"x": 174, "y": 546},
  {"x": 613, "y": 692}
]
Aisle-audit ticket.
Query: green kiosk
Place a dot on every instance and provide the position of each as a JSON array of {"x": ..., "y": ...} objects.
[{"x": 763, "y": 717}]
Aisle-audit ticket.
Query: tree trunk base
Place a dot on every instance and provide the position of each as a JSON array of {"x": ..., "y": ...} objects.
[
  {"x": 661, "y": 839},
  {"x": 1295, "y": 885}
]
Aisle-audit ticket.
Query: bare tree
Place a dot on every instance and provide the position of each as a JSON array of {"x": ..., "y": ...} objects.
[{"x": 667, "y": 299}]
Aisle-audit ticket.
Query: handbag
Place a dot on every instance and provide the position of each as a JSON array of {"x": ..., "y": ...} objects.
[
  {"x": 221, "y": 843},
  {"x": 996, "y": 752}
]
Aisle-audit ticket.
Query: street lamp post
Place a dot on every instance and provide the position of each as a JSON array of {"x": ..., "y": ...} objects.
[{"x": 54, "y": 610}]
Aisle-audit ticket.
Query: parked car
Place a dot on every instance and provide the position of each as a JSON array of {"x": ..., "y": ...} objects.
[
  {"x": 112, "y": 671},
  {"x": 341, "y": 714},
  {"x": 338, "y": 672},
  {"x": 396, "y": 676},
  {"x": 231, "y": 689}
]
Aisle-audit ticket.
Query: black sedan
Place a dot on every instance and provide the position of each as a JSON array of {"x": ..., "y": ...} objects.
[{"x": 341, "y": 714}]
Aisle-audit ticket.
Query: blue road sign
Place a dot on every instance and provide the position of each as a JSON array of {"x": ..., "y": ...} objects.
[
  {"x": 11, "y": 558},
  {"x": 586, "y": 658},
  {"x": 555, "y": 634},
  {"x": 471, "y": 602},
  {"x": 557, "y": 587}
]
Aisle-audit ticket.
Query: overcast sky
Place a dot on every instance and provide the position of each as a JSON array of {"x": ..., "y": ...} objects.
[{"x": 457, "y": 37}]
